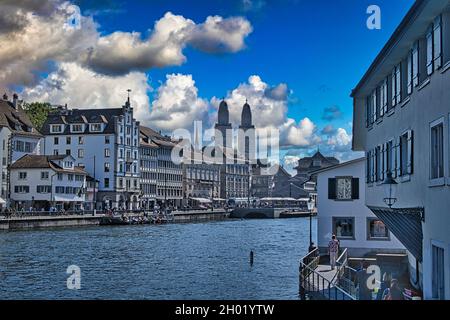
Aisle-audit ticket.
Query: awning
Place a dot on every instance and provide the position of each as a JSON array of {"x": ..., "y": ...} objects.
[
  {"x": 406, "y": 225},
  {"x": 2, "y": 201},
  {"x": 202, "y": 200}
]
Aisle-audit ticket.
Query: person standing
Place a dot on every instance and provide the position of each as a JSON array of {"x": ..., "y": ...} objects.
[{"x": 333, "y": 250}]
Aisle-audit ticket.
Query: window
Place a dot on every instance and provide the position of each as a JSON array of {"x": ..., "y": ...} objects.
[
  {"x": 68, "y": 152},
  {"x": 96, "y": 127},
  {"x": 77, "y": 128},
  {"x": 376, "y": 230},
  {"x": 107, "y": 140},
  {"x": 438, "y": 272},
  {"x": 43, "y": 189},
  {"x": 384, "y": 97},
  {"x": 59, "y": 190},
  {"x": 55, "y": 140},
  {"x": 106, "y": 182},
  {"x": 437, "y": 150},
  {"x": 107, "y": 153},
  {"x": 79, "y": 178},
  {"x": 56, "y": 128},
  {"x": 44, "y": 175},
  {"x": 80, "y": 140},
  {"x": 434, "y": 46},
  {"x": 344, "y": 228},
  {"x": 21, "y": 189},
  {"x": 60, "y": 176},
  {"x": 70, "y": 177},
  {"x": 396, "y": 85},
  {"x": 80, "y": 153},
  {"x": 107, "y": 166},
  {"x": 68, "y": 140},
  {"x": 22, "y": 175},
  {"x": 29, "y": 147},
  {"x": 406, "y": 154},
  {"x": 413, "y": 68},
  {"x": 343, "y": 188}
]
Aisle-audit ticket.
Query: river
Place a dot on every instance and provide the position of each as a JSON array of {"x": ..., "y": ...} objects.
[{"x": 176, "y": 261}]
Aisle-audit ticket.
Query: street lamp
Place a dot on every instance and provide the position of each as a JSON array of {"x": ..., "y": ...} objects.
[
  {"x": 310, "y": 205},
  {"x": 390, "y": 190}
]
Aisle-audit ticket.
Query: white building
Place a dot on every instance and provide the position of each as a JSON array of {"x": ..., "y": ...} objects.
[
  {"x": 106, "y": 143},
  {"x": 45, "y": 181},
  {"x": 402, "y": 121},
  {"x": 341, "y": 210},
  {"x": 18, "y": 137}
]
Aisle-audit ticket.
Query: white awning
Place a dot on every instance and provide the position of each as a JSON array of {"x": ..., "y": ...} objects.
[
  {"x": 2, "y": 201},
  {"x": 202, "y": 200}
]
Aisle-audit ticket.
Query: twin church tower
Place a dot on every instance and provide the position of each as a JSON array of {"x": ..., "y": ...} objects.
[{"x": 246, "y": 136}]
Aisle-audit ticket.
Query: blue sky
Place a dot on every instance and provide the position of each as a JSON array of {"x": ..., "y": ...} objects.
[
  {"x": 320, "y": 48},
  {"x": 305, "y": 57}
]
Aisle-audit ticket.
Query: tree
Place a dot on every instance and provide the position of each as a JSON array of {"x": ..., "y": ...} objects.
[{"x": 38, "y": 112}]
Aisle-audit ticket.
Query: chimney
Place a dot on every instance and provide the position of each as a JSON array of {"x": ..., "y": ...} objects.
[{"x": 15, "y": 99}]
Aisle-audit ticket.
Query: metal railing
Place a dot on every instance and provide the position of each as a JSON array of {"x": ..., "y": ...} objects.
[
  {"x": 345, "y": 276},
  {"x": 313, "y": 285}
]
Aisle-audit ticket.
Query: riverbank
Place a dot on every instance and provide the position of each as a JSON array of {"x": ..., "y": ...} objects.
[{"x": 43, "y": 222}]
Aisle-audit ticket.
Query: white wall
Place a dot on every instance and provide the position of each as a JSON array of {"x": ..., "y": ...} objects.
[
  {"x": 327, "y": 209},
  {"x": 34, "y": 179},
  {"x": 94, "y": 145}
]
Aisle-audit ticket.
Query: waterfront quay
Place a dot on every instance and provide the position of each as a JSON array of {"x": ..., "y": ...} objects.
[{"x": 43, "y": 220}]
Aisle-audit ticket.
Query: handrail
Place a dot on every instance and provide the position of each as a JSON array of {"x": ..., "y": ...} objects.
[{"x": 327, "y": 286}]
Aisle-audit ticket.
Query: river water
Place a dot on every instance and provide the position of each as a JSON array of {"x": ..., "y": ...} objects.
[{"x": 176, "y": 261}]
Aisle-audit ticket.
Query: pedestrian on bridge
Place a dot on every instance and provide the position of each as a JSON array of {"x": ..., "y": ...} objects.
[{"x": 333, "y": 250}]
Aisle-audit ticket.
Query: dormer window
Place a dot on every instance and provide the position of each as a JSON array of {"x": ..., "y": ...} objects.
[
  {"x": 96, "y": 127},
  {"x": 317, "y": 163},
  {"x": 77, "y": 128},
  {"x": 56, "y": 128}
]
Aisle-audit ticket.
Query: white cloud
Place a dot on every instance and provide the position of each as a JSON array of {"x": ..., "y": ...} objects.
[
  {"x": 177, "y": 104},
  {"x": 269, "y": 105},
  {"x": 341, "y": 141},
  {"x": 82, "y": 88},
  {"x": 35, "y": 38}
]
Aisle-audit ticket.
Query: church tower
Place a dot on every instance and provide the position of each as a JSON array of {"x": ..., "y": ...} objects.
[
  {"x": 224, "y": 135},
  {"x": 247, "y": 136}
]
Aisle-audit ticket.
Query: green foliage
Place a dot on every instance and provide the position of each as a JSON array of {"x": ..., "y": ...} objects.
[{"x": 38, "y": 112}]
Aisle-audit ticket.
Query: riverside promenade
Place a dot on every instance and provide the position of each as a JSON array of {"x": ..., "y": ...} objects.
[{"x": 27, "y": 221}]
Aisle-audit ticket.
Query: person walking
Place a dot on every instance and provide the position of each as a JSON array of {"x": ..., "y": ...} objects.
[
  {"x": 394, "y": 292},
  {"x": 333, "y": 250}
]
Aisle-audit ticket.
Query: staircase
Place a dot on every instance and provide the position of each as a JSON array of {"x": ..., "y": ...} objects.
[{"x": 318, "y": 282}]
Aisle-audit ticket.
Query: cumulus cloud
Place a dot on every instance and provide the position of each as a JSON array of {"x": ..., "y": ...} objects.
[
  {"x": 41, "y": 41},
  {"x": 340, "y": 141},
  {"x": 269, "y": 105},
  {"x": 177, "y": 104},
  {"x": 36, "y": 37},
  {"x": 82, "y": 88},
  {"x": 332, "y": 113},
  {"x": 328, "y": 130}
]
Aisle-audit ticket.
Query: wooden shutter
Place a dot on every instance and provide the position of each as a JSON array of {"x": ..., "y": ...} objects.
[
  {"x": 398, "y": 158},
  {"x": 367, "y": 167},
  {"x": 355, "y": 188},
  {"x": 410, "y": 162},
  {"x": 332, "y": 188},
  {"x": 383, "y": 160}
]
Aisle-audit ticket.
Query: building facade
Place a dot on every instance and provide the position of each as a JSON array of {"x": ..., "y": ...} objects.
[
  {"x": 18, "y": 137},
  {"x": 43, "y": 182},
  {"x": 106, "y": 143},
  {"x": 201, "y": 179},
  {"x": 401, "y": 121},
  {"x": 341, "y": 210},
  {"x": 167, "y": 176}
]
